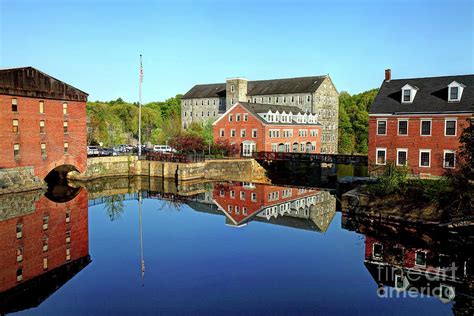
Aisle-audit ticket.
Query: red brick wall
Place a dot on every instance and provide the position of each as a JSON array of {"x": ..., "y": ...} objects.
[
  {"x": 263, "y": 141},
  {"x": 30, "y": 139},
  {"x": 32, "y": 240},
  {"x": 437, "y": 142}
]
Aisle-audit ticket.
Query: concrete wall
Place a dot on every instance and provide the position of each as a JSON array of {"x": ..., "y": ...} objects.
[
  {"x": 19, "y": 179},
  {"x": 218, "y": 169}
]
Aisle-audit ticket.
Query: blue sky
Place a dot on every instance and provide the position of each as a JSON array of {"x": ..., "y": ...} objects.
[{"x": 95, "y": 45}]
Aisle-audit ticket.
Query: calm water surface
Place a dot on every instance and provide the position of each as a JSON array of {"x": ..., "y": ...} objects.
[{"x": 220, "y": 248}]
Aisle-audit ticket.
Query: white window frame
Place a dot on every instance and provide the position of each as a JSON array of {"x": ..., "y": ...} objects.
[
  {"x": 398, "y": 126},
  {"x": 254, "y": 130},
  {"x": 419, "y": 158},
  {"x": 233, "y": 133},
  {"x": 421, "y": 126},
  {"x": 243, "y": 133},
  {"x": 377, "y": 156},
  {"x": 449, "y": 151},
  {"x": 377, "y": 127},
  {"x": 455, "y": 126},
  {"x": 222, "y": 132},
  {"x": 403, "y": 150},
  {"x": 373, "y": 251},
  {"x": 426, "y": 257}
]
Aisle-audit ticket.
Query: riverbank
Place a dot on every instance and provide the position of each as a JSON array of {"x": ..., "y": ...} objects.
[{"x": 211, "y": 169}]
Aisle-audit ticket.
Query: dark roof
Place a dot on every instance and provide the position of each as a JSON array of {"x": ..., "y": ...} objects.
[
  {"x": 255, "y": 108},
  {"x": 259, "y": 87},
  {"x": 431, "y": 96},
  {"x": 213, "y": 90},
  {"x": 31, "y": 82}
]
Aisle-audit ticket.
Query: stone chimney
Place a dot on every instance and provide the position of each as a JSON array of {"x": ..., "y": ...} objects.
[
  {"x": 388, "y": 75},
  {"x": 236, "y": 90}
]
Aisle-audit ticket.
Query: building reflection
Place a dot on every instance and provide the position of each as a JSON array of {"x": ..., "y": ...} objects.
[
  {"x": 43, "y": 244},
  {"x": 242, "y": 202},
  {"x": 414, "y": 261}
]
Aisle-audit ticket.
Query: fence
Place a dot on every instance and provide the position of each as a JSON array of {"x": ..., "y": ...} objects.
[{"x": 185, "y": 158}]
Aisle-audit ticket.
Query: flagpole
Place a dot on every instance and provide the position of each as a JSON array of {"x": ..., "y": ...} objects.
[
  {"x": 142, "y": 263},
  {"x": 140, "y": 110}
]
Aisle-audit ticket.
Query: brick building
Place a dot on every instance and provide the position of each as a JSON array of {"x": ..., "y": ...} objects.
[
  {"x": 42, "y": 122},
  {"x": 242, "y": 202},
  {"x": 42, "y": 245},
  {"x": 265, "y": 127},
  {"x": 417, "y": 122},
  {"x": 317, "y": 95}
]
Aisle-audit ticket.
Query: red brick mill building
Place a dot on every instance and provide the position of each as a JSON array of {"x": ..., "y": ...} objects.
[
  {"x": 253, "y": 127},
  {"x": 42, "y": 122},
  {"x": 417, "y": 122}
]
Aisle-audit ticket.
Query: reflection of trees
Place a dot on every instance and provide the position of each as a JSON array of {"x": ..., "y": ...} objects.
[{"x": 114, "y": 206}]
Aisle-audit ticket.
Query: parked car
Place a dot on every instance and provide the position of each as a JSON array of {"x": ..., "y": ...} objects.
[
  {"x": 93, "y": 151},
  {"x": 163, "y": 149},
  {"x": 107, "y": 152}
]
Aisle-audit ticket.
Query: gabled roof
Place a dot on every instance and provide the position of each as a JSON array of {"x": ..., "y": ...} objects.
[
  {"x": 256, "y": 108},
  {"x": 260, "y": 87},
  {"x": 31, "y": 82},
  {"x": 431, "y": 97}
]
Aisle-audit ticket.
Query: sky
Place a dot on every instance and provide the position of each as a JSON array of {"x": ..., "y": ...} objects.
[{"x": 95, "y": 45}]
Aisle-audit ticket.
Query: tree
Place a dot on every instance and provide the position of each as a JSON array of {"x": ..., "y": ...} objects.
[{"x": 187, "y": 143}]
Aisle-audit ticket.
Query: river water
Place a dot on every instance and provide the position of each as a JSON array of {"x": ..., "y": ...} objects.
[{"x": 148, "y": 246}]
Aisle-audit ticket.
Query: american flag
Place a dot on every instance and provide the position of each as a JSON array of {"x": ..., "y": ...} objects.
[{"x": 141, "y": 70}]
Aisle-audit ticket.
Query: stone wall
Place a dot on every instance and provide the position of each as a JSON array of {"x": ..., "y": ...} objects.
[
  {"x": 19, "y": 204},
  {"x": 214, "y": 169},
  {"x": 19, "y": 179}
]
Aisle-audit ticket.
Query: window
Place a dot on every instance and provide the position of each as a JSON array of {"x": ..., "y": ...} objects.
[
  {"x": 402, "y": 127},
  {"x": 19, "y": 230},
  {"x": 425, "y": 127},
  {"x": 308, "y": 98},
  {"x": 68, "y": 216},
  {"x": 42, "y": 127},
  {"x": 243, "y": 133},
  {"x": 425, "y": 159},
  {"x": 19, "y": 274},
  {"x": 377, "y": 250},
  {"x": 232, "y": 194},
  {"x": 43, "y": 149},
  {"x": 185, "y": 113},
  {"x": 381, "y": 156},
  {"x": 454, "y": 93},
  {"x": 65, "y": 127},
  {"x": 402, "y": 157},
  {"x": 254, "y": 196},
  {"x": 45, "y": 263},
  {"x": 14, "y": 105},
  {"x": 246, "y": 117},
  {"x": 15, "y": 126},
  {"x": 232, "y": 88},
  {"x": 19, "y": 255},
  {"x": 230, "y": 118},
  {"x": 232, "y": 133},
  {"x": 406, "y": 95},
  {"x": 65, "y": 108},
  {"x": 242, "y": 195},
  {"x": 222, "y": 133},
  {"x": 254, "y": 133},
  {"x": 449, "y": 159},
  {"x": 45, "y": 244},
  {"x": 229, "y": 208},
  {"x": 420, "y": 258},
  {"x": 68, "y": 254},
  {"x": 68, "y": 237},
  {"x": 381, "y": 127},
  {"x": 66, "y": 148},
  {"x": 41, "y": 107},
  {"x": 450, "y": 127},
  {"x": 237, "y": 117},
  {"x": 16, "y": 151}
]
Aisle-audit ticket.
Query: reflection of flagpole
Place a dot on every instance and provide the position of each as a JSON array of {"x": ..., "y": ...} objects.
[{"x": 141, "y": 236}]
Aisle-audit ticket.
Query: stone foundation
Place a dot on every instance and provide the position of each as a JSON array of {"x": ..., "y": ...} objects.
[
  {"x": 214, "y": 169},
  {"x": 19, "y": 179}
]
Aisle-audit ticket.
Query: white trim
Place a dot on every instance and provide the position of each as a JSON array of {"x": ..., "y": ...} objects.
[
  {"x": 373, "y": 250},
  {"x": 377, "y": 156},
  {"x": 398, "y": 126},
  {"x": 426, "y": 257},
  {"x": 404, "y": 150},
  {"x": 421, "y": 126},
  {"x": 419, "y": 158},
  {"x": 455, "y": 126},
  {"x": 449, "y": 151},
  {"x": 386, "y": 127},
  {"x": 225, "y": 113},
  {"x": 422, "y": 113}
]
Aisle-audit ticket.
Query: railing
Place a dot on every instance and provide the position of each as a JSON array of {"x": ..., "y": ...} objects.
[
  {"x": 172, "y": 157},
  {"x": 311, "y": 157}
]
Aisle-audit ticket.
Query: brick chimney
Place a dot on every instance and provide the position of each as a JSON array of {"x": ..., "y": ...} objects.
[{"x": 388, "y": 74}]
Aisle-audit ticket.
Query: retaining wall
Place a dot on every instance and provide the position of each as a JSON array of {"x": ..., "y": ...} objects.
[{"x": 19, "y": 179}]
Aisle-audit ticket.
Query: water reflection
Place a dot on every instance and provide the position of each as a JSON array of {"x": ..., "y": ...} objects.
[
  {"x": 408, "y": 260},
  {"x": 43, "y": 245}
]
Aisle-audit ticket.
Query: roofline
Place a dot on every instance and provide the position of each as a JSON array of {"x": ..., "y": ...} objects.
[
  {"x": 447, "y": 76},
  {"x": 224, "y": 114},
  {"x": 48, "y": 75},
  {"x": 421, "y": 113}
]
